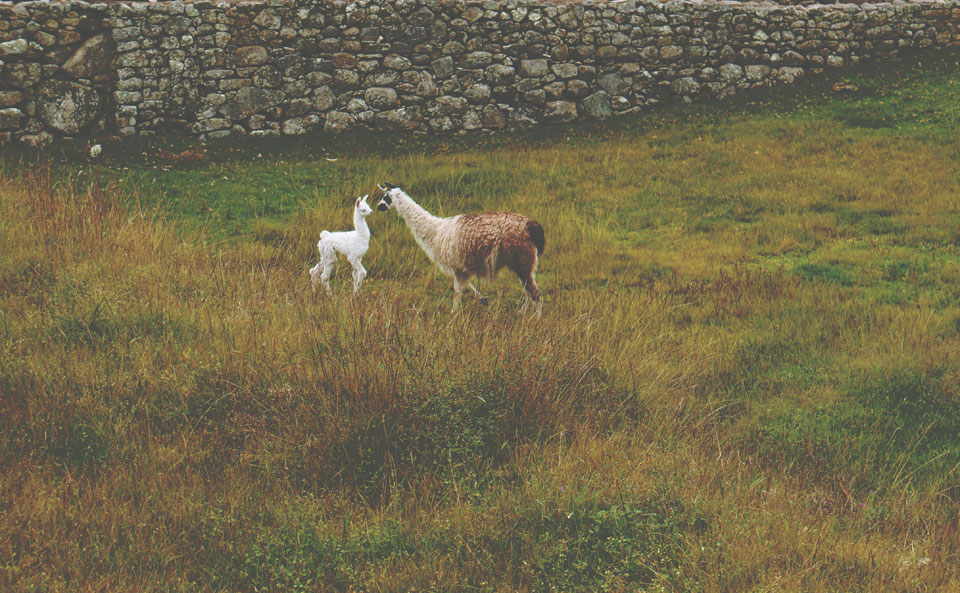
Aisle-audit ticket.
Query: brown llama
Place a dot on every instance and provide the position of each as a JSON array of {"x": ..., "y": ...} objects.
[{"x": 469, "y": 245}]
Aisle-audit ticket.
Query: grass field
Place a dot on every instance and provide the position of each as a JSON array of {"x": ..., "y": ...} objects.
[{"x": 746, "y": 376}]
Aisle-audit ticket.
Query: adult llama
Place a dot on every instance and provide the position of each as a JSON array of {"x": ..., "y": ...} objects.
[{"x": 468, "y": 245}]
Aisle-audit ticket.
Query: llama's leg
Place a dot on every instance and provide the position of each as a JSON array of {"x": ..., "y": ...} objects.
[
  {"x": 328, "y": 259},
  {"x": 359, "y": 273},
  {"x": 476, "y": 292},
  {"x": 531, "y": 293},
  {"x": 459, "y": 280},
  {"x": 315, "y": 276}
]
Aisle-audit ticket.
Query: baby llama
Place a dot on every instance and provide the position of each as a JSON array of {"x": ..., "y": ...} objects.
[
  {"x": 469, "y": 245},
  {"x": 352, "y": 244}
]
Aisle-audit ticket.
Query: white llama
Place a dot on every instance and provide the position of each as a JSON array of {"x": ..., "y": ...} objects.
[
  {"x": 469, "y": 245},
  {"x": 352, "y": 244}
]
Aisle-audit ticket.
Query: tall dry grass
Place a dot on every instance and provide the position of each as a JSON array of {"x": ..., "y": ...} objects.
[{"x": 745, "y": 378}]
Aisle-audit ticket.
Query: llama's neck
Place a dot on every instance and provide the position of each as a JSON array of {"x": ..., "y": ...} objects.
[
  {"x": 360, "y": 224},
  {"x": 422, "y": 224}
]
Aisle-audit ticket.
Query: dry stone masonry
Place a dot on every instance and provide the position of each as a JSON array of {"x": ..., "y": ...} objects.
[{"x": 435, "y": 66}]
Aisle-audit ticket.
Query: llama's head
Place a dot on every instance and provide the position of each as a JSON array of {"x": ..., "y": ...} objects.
[
  {"x": 390, "y": 193},
  {"x": 362, "y": 207}
]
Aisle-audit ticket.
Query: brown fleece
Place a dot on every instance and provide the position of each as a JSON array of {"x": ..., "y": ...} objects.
[{"x": 489, "y": 242}]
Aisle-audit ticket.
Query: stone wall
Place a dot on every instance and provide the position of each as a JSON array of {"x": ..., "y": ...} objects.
[{"x": 435, "y": 66}]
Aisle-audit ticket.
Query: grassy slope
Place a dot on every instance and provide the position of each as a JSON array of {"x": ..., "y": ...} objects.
[{"x": 746, "y": 376}]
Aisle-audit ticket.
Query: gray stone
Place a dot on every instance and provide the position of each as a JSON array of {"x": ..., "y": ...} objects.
[
  {"x": 130, "y": 84},
  {"x": 789, "y": 75},
  {"x": 386, "y": 78},
  {"x": 297, "y": 88},
  {"x": 560, "y": 111},
  {"x": 127, "y": 97},
  {"x": 338, "y": 121},
  {"x": 346, "y": 78},
  {"x": 251, "y": 55},
  {"x": 477, "y": 59},
  {"x": 44, "y": 39},
  {"x": 472, "y": 121},
  {"x": 478, "y": 93},
  {"x": 421, "y": 18},
  {"x": 535, "y": 97},
  {"x": 22, "y": 75},
  {"x": 565, "y": 70},
  {"x": 686, "y": 86},
  {"x": 793, "y": 58},
  {"x": 134, "y": 59},
  {"x": 213, "y": 124},
  {"x": 577, "y": 88},
  {"x": 612, "y": 83},
  {"x": 671, "y": 52},
  {"x": 598, "y": 105},
  {"x": 731, "y": 73},
  {"x": 442, "y": 67},
  {"x": 533, "y": 68},
  {"x": 93, "y": 59},
  {"x": 215, "y": 99},
  {"x": 395, "y": 62},
  {"x": 498, "y": 74},
  {"x": 426, "y": 87},
  {"x": 356, "y": 105},
  {"x": 300, "y": 125},
  {"x": 66, "y": 106},
  {"x": 448, "y": 105},
  {"x": 555, "y": 90},
  {"x": 10, "y": 98},
  {"x": 344, "y": 60},
  {"x": 15, "y": 47},
  {"x": 10, "y": 118},
  {"x": 268, "y": 19},
  {"x": 441, "y": 125},
  {"x": 756, "y": 72},
  {"x": 176, "y": 25},
  {"x": 403, "y": 119},
  {"x": 380, "y": 98},
  {"x": 249, "y": 100},
  {"x": 472, "y": 14},
  {"x": 494, "y": 118}
]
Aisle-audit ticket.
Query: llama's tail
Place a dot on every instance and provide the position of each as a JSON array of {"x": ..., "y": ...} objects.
[
  {"x": 324, "y": 235},
  {"x": 536, "y": 235}
]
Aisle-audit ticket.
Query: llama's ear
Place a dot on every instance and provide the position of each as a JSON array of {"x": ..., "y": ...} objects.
[
  {"x": 364, "y": 198},
  {"x": 383, "y": 189}
]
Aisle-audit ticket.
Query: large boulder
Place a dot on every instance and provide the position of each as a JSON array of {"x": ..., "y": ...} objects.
[
  {"x": 380, "y": 98},
  {"x": 251, "y": 55},
  {"x": 560, "y": 111},
  {"x": 251, "y": 100},
  {"x": 338, "y": 121},
  {"x": 14, "y": 47},
  {"x": 598, "y": 105},
  {"x": 405, "y": 118},
  {"x": 93, "y": 59},
  {"x": 66, "y": 106}
]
